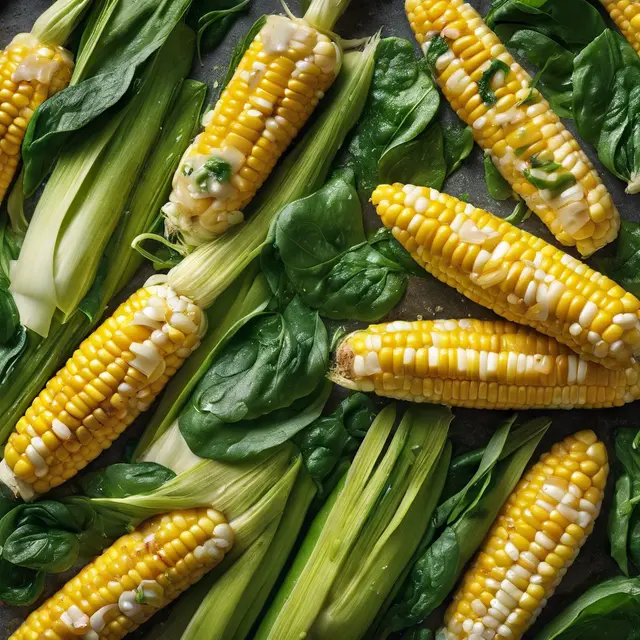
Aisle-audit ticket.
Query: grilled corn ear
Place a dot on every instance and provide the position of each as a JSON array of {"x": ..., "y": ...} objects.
[
  {"x": 514, "y": 273},
  {"x": 138, "y": 575},
  {"x": 30, "y": 72},
  {"x": 477, "y": 364},
  {"x": 274, "y": 90},
  {"x": 533, "y": 542},
  {"x": 114, "y": 376},
  {"x": 514, "y": 124}
]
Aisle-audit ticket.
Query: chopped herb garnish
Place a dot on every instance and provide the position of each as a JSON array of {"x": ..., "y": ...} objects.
[
  {"x": 561, "y": 181},
  {"x": 437, "y": 47},
  {"x": 187, "y": 170},
  {"x": 140, "y": 599},
  {"x": 545, "y": 165},
  {"x": 215, "y": 168},
  {"x": 534, "y": 96},
  {"x": 465, "y": 197},
  {"x": 484, "y": 84}
]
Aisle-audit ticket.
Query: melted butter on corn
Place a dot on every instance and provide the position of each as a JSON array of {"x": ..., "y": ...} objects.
[
  {"x": 274, "y": 90},
  {"x": 139, "y": 574},
  {"x": 114, "y": 376},
  {"x": 533, "y": 542},
  {"x": 516, "y": 274},
  {"x": 30, "y": 72},
  {"x": 511, "y": 131},
  {"x": 477, "y": 364}
]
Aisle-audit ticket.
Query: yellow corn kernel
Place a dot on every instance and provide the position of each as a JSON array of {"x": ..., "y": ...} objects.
[
  {"x": 132, "y": 580},
  {"x": 75, "y": 420},
  {"x": 532, "y": 573},
  {"x": 30, "y": 72},
  {"x": 274, "y": 90},
  {"x": 514, "y": 273},
  {"x": 488, "y": 365},
  {"x": 512, "y": 132},
  {"x": 626, "y": 15}
]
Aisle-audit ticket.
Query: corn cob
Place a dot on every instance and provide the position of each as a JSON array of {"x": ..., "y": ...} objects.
[
  {"x": 477, "y": 364},
  {"x": 30, "y": 71},
  {"x": 138, "y": 575},
  {"x": 533, "y": 542},
  {"x": 115, "y": 375},
  {"x": 274, "y": 90},
  {"x": 526, "y": 141},
  {"x": 514, "y": 273},
  {"x": 626, "y": 15}
]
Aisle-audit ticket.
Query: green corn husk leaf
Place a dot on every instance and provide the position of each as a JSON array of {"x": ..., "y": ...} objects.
[
  {"x": 323, "y": 14},
  {"x": 44, "y": 356},
  {"x": 378, "y": 518},
  {"x": 57, "y": 23},
  {"x": 204, "y": 274},
  {"x": 88, "y": 191},
  {"x": 236, "y": 306}
]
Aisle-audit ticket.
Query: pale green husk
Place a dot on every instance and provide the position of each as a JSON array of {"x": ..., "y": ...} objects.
[
  {"x": 43, "y": 356},
  {"x": 87, "y": 193},
  {"x": 370, "y": 533},
  {"x": 56, "y": 24},
  {"x": 204, "y": 274},
  {"x": 323, "y": 14}
]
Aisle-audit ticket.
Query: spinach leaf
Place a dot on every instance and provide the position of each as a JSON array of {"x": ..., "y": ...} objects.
[
  {"x": 329, "y": 438},
  {"x": 555, "y": 64},
  {"x": 272, "y": 362},
  {"x": 213, "y": 25},
  {"x": 497, "y": 186},
  {"x": 519, "y": 214},
  {"x": 402, "y": 102},
  {"x": 327, "y": 259},
  {"x": 624, "y": 268},
  {"x": 418, "y": 634},
  {"x": 606, "y": 104},
  {"x": 626, "y": 496},
  {"x": 609, "y": 611},
  {"x": 11, "y": 351},
  {"x": 458, "y": 142},
  {"x": 419, "y": 161},
  {"x": 7, "y": 500},
  {"x": 383, "y": 242},
  {"x": 52, "y": 551},
  {"x": 119, "y": 39},
  {"x": 121, "y": 480},
  {"x": 19, "y": 586},
  {"x": 575, "y": 22},
  {"x": 9, "y": 316},
  {"x": 246, "y": 438},
  {"x": 484, "y": 84}
]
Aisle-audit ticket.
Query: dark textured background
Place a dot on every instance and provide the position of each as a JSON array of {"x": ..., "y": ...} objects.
[{"x": 426, "y": 296}]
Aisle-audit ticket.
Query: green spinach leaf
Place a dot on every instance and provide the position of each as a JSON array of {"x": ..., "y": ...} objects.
[
  {"x": 19, "y": 586},
  {"x": 272, "y": 362},
  {"x": 117, "y": 42},
  {"x": 519, "y": 214},
  {"x": 121, "y": 480},
  {"x": 402, "y": 102},
  {"x": 213, "y": 25},
  {"x": 458, "y": 143},
  {"x": 575, "y": 22},
  {"x": 329, "y": 438},
  {"x": 624, "y": 268},
  {"x": 11, "y": 351},
  {"x": 606, "y": 104},
  {"x": 420, "y": 161},
  {"x": 623, "y": 517},
  {"x": 497, "y": 186},
  {"x": 52, "y": 551},
  {"x": 383, "y": 242},
  {"x": 328, "y": 260},
  {"x": 9, "y": 316},
  {"x": 609, "y": 611},
  {"x": 555, "y": 65}
]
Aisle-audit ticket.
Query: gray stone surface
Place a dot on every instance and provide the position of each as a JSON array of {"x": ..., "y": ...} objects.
[{"x": 425, "y": 297}]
